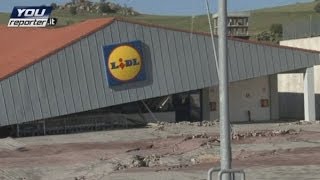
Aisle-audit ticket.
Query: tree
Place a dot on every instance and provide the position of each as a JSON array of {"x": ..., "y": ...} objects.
[
  {"x": 104, "y": 8},
  {"x": 73, "y": 10},
  {"x": 317, "y": 8},
  {"x": 276, "y": 29},
  {"x": 264, "y": 36},
  {"x": 54, "y": 6}
]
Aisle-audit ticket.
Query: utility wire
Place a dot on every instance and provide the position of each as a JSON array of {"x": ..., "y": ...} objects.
[
  {"x": 212, "y": 39},
  {"x": 192, "y": 26}
]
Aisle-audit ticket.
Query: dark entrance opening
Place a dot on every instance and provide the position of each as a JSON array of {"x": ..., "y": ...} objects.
[{"x": 188, "y": 106}]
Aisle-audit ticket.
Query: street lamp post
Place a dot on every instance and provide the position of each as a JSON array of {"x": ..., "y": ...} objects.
[{"x": 225, "y": 144}]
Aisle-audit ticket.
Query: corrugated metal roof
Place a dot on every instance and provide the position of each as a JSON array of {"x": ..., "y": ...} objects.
[{"x": 22, "y": 47}]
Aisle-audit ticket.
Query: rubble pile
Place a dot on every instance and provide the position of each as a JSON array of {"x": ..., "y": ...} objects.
[
  {"x": 119, "y": 167},
  {"x": 202, "y": 135},
  {"x": 303, "y": 122},
  {"x": 238, "y": 136},
  {"x": 200, "y": 124},
  {"x": 138, "y": 161},
  {"x": 80, "y": 178},
  {"x": 209, "y": 123},
  {"x": 12, "y": 144}
]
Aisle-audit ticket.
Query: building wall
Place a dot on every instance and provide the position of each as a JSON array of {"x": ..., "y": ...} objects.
[
  {"x": 245, "y": 96},
  {"x": 74, "y": 79},
  {"x": 291, "y": 85}
]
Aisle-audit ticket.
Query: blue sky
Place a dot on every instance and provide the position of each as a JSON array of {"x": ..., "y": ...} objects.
[{"x": 165, "y": 7}]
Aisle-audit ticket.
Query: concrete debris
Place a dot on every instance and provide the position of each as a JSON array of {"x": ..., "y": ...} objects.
[
  {"x": 284, "y": 132},
  {"x": 119, "y": 167},
  {"x": 160, "y": 128},
  {"x": 138, "y": 161},
  {"x": 200, "y": 124},
  {"x": 152, "y": 125},
  {"x": 80, "y": 178},
  {"x": 303, "y": 122},
  {"x": 176, "y": 167},
  {"x": 207, "y": 158},
  {"x": 238, "y": 136},
  {"x": 160, "y": 125},
  {"x": 145, "y": 161},
  {"x": 202, "y": 135},
  {"x": 210, "y": 123},
  {"x": 194, "y": 161},
  {"x": 11, "y": 144},
  {"x": 209, "y": 144},
  {"x": 198, "y": 136},
  {"x": 152, "y": 160}
]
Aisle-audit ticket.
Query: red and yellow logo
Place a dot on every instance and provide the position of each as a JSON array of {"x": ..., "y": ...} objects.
[{"x": 124, "y": 63}]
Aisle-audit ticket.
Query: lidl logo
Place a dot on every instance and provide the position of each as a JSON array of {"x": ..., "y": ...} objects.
[{"x": 124, "y": 62}]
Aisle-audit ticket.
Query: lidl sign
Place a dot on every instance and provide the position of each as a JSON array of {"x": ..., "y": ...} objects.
[{"x": 124, "y": 62}]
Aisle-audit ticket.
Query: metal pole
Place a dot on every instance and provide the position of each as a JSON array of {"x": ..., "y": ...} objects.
[
  {"x": 149, "y": 110},
  {"x": 310, "y": 26},
  {"x": 44, "y": 127},
  {"x": 225, "y": 146},
  {"x": 18, "y": 130}
]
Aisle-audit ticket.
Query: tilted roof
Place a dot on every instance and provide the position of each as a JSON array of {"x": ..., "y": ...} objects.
[{"x": 22, "y": 47}]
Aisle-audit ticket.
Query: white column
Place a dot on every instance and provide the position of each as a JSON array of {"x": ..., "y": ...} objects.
[{"x": 309, "y": 95}]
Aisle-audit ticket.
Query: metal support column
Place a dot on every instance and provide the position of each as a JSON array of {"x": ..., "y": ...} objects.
[
  {"x": 18, "y": 130},
  {"x": 205, "y": 104},
  {"x": 44, "y": 127},
  {"x": 225, "y": 143},
  {"x": 309, "y": 95},
  {"x": 274, "y": 97}
]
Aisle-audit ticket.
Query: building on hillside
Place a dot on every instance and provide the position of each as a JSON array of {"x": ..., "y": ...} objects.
[
  {"x": 238, "y": 24},
  {"x": 110, "y": 73}
]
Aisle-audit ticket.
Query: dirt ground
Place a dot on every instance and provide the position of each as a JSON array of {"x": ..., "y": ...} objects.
[{"x": 164, "y": 151}]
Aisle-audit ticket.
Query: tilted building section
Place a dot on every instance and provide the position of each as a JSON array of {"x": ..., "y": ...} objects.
[{"x": 47, "y": 73}]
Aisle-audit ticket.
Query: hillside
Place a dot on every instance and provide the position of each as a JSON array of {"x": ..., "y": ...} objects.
[{"x": 261, "y": 19}]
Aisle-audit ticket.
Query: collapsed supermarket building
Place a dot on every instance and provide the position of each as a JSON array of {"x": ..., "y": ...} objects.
[{"x": 103, "y": 73}]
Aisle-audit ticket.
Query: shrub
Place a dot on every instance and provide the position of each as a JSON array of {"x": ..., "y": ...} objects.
[
  {"x": 264, "y": 36},
  {"x": 317, "y": 8},
  {"x": 276, "y": 29},
  {"x": 54, "y": 6},
  {"x": 73, "y": 10},
  {"x": 104, "y": 8}
]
